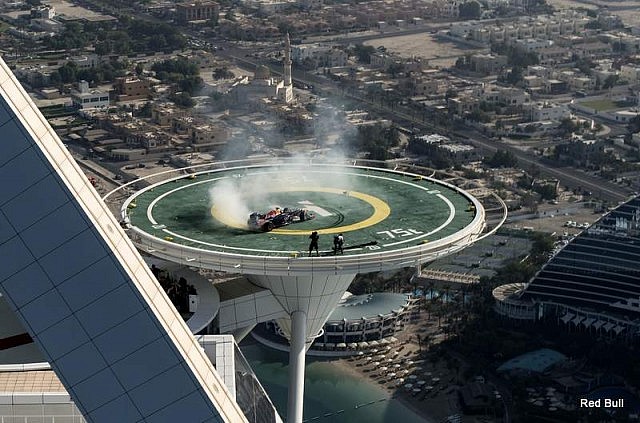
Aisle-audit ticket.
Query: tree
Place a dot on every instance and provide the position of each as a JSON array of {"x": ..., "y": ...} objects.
[
  {"x": 470, "y": 10},
  {"x": 502, "y": 158},
  {"x": 223, "y": 73},
  {"x": 363, "y": 53},
  {"x": 634, "y": 125},
  {"x": 610, "y": 81},
  {"x": 182, "y": 99},
  {"x": 68, "y": 72},
  {"x": 514, "y": 76},
  {"x": 567, "y": 126},
  {"x": 547, "y": 192},
  {"x": 584, "y": 64}
]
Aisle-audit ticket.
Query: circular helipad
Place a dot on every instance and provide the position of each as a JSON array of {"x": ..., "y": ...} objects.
[{"x": 205, "y": 215}]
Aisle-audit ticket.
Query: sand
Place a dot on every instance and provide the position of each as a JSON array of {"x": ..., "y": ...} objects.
[
  {"x": 438, "y": 51},
  {"x": 434, "y": 409}
]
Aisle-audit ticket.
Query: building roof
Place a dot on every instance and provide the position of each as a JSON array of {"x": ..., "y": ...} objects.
[
  {"x": 36, "y": 381},
  {"x": 535, "y": 361},
  {"x": 356, "y": 307}
]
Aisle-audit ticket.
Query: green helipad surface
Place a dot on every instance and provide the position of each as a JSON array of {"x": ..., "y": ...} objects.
[{"x": 366, "y": 205}]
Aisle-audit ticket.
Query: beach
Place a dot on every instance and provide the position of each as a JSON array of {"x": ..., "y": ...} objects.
[
  {"x": 432, "y": 393},
  {"x": 344, "y": 390}
]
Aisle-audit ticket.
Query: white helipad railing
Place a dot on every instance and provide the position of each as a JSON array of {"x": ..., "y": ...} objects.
[{"x": 297, "y": 265}]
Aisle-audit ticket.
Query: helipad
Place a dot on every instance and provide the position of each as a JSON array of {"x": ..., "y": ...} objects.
[{"x": 376, "y": 210}]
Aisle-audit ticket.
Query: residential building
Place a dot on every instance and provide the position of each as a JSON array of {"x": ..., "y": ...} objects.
[
  {"x": 131, "y": 88},
  {"x": 548, "y": 111},
  {"x": 85, "y": 98},
  {"x": 488, "y": 64}
]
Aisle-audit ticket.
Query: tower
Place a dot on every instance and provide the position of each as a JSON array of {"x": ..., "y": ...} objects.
[
  {"x": 287, "y": 61},
  {"x": 284, "y": 89}
]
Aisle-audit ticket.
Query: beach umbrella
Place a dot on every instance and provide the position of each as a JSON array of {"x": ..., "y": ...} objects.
[
  {"x": 383, "y": 341},
  {"x": 374, "y": 343},
  {"x": 369, "y": 358},
  {"x": 428, "y": 387},
  {"x": 393, "y": 339},
  {"x": 392, "y": 375},
  {"x": 376, "y": 363},
  {"x": 417, "y": 390},
  {"x": 397, "y": 366},
  {"x": 538, "y": 403},
  {"x": 383, "y": 369},
  {"x": 409, "y": 362},
  {"x": 428, "y": 374},
  {"x": 360, "y": 353},
  {"x": 363, "y": 345},
  {"x": 389, "y": 360},
  {"x": 412, "y": 377},
  {"x": 374, "y": 351},
  {"x": 353, "y": 345},
  {"x": 408, "y": 385},
  {"x": 417, "y": 368},
  {"x": 552, "y": 409},
  {"x": 420, "y": 382}
]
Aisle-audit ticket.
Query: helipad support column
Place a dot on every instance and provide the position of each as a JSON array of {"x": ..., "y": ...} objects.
[
  {"x": 296, "y": 366},
  {"x": 309, "y": 299}
]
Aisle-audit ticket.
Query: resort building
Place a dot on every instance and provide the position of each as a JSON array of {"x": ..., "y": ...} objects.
[
  {"x": 359, "y": 322},
  {"x": 591, "y": 285}
]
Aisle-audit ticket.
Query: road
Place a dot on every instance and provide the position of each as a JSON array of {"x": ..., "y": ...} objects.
[{"x": 567, "y": 176}]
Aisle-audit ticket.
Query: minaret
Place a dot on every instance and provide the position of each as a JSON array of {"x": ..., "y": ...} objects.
[{"x": 287, "y": 61}]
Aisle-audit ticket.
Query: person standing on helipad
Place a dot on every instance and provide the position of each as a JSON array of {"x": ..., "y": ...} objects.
[{"x": 313, "y": 245}]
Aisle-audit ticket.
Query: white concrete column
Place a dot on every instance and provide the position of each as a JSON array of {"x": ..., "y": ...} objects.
[{"x": 296, "y": 366}]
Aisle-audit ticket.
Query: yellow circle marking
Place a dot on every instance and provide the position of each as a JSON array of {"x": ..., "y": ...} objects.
[{"x": 381, "y": 211}]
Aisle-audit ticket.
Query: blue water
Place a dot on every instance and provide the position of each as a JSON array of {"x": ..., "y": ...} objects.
[{"x": 327, "y": 391}]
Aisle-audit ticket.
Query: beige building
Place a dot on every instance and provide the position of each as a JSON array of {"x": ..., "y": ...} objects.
[
  {"x": 196, "y": 11},
  {"x": 131, "y": 88},
  {"x": 208, "y": 137}
]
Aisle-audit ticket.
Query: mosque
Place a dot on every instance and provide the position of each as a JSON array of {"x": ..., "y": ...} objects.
[{"x": 265, "y": 86}]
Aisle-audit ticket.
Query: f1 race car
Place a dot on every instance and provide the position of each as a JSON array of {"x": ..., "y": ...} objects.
[{"x": 277, "y": 218}]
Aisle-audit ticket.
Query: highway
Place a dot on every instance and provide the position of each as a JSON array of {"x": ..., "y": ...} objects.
[{"x": 569, "y": 177}]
